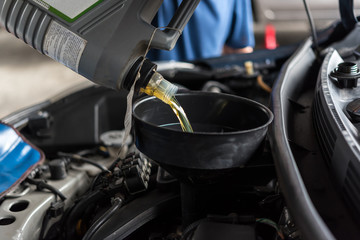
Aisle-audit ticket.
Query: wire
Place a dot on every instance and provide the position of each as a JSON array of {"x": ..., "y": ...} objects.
[
  {"x": 93, "y": 184},
  {"x": 103, "y": 219},
  {"x": 44, "y": 224},
  {"x": 82, "y": 159},
  {"x": 189, "y": 230},
  {"x": 115, "y": 163},
  {"x": 271, "y": 223},
  {"x": 312, "y": 26},
  {"x": 262, "y": 84},
  {"x": 43, "y": 185},
  {"x": 120, "y": 161}
]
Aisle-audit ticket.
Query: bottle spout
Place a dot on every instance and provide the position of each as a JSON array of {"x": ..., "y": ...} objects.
[
  {"x": 147, "y": 69},
  {"x": 160, "y": 88}
]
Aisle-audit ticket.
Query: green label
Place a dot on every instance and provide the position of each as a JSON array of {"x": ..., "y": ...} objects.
[{"x": 69, "y": 10}]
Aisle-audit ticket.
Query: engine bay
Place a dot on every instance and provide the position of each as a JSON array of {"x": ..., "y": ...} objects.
[
  {"x": 301, "y": 183},
  {"x": 80, "y": 134}
]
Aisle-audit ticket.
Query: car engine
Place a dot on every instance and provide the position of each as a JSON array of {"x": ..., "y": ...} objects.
[{"x": 301, "y": 183}]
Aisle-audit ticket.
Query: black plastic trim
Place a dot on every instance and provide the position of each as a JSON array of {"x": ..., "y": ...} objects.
[{"x": 306, "y": 217}]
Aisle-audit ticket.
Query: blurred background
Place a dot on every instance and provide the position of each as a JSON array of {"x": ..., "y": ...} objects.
[
  {"x": 289, "y": 18},
  {"x": 27, "y": 77}
]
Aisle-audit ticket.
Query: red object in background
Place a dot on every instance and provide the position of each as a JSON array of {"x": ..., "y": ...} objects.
[{"x": 270, "y": 37}]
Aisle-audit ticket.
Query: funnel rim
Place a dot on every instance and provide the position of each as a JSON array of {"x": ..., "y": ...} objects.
[{"x": 266, "y": 110}]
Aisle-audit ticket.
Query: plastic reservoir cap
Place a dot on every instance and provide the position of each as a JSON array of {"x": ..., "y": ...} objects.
[{"x": 114, "y": 138}]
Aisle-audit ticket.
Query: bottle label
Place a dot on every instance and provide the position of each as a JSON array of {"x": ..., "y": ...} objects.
[
  {"x": 64, "y": 46},
  {"x": 68, "y": 10}
]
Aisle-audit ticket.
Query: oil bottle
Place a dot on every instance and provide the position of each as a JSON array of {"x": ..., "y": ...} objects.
[{"x": 102, "y": 40}]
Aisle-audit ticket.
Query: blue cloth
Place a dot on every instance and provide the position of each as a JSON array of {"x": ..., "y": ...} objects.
[
  {"x": 17, "y": 158},
  {"x": 213, "y": 24}
]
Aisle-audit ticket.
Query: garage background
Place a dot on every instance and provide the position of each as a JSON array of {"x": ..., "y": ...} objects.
[{"x": 27, "y": 77}]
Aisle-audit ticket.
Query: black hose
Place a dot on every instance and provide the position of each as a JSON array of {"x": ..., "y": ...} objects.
[
  {"x": 43, "y": 185},
  {"x": 82, "y": 159},
  {"x": 94, "y": 181},
  {"x": 88, "y": 161},
  {"x": 103, "y": 219},
  {"x": 44, "y": 224},
  {"x": 348, "y": 18},
  {"x": 189, "y": 230},
  {"x": 78, "y": 210},
  {"x": 312, "y": 26}
]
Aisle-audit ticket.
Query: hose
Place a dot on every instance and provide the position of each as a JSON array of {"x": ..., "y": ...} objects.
[
  {"x": 78, "y": 210},
  {"x": 81, "y": 159},
  {"x": 103, "y": 219},
  {"x": 189, "y": 230},
  {"x": 44, "y": 224},
  {"x": 262, "y": 84},
  {"x": 43, "y": 185}
]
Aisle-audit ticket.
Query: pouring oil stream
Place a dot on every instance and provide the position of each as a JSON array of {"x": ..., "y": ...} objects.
[{"x": 165, "y": 91}]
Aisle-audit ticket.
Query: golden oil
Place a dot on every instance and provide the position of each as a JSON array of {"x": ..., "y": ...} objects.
[
  {"x": 165, "y": 91},
  {"x": 181, "y": 115}
]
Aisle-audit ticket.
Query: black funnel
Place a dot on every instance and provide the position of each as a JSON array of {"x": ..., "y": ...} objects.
[{"x": 227, "y": 132}]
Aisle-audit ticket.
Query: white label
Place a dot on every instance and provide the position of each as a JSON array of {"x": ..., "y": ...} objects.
[
  {"x": 71, "y": 8},
  {"x": 63, "y": 45},
  {"x": 41, "y": 3}
]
